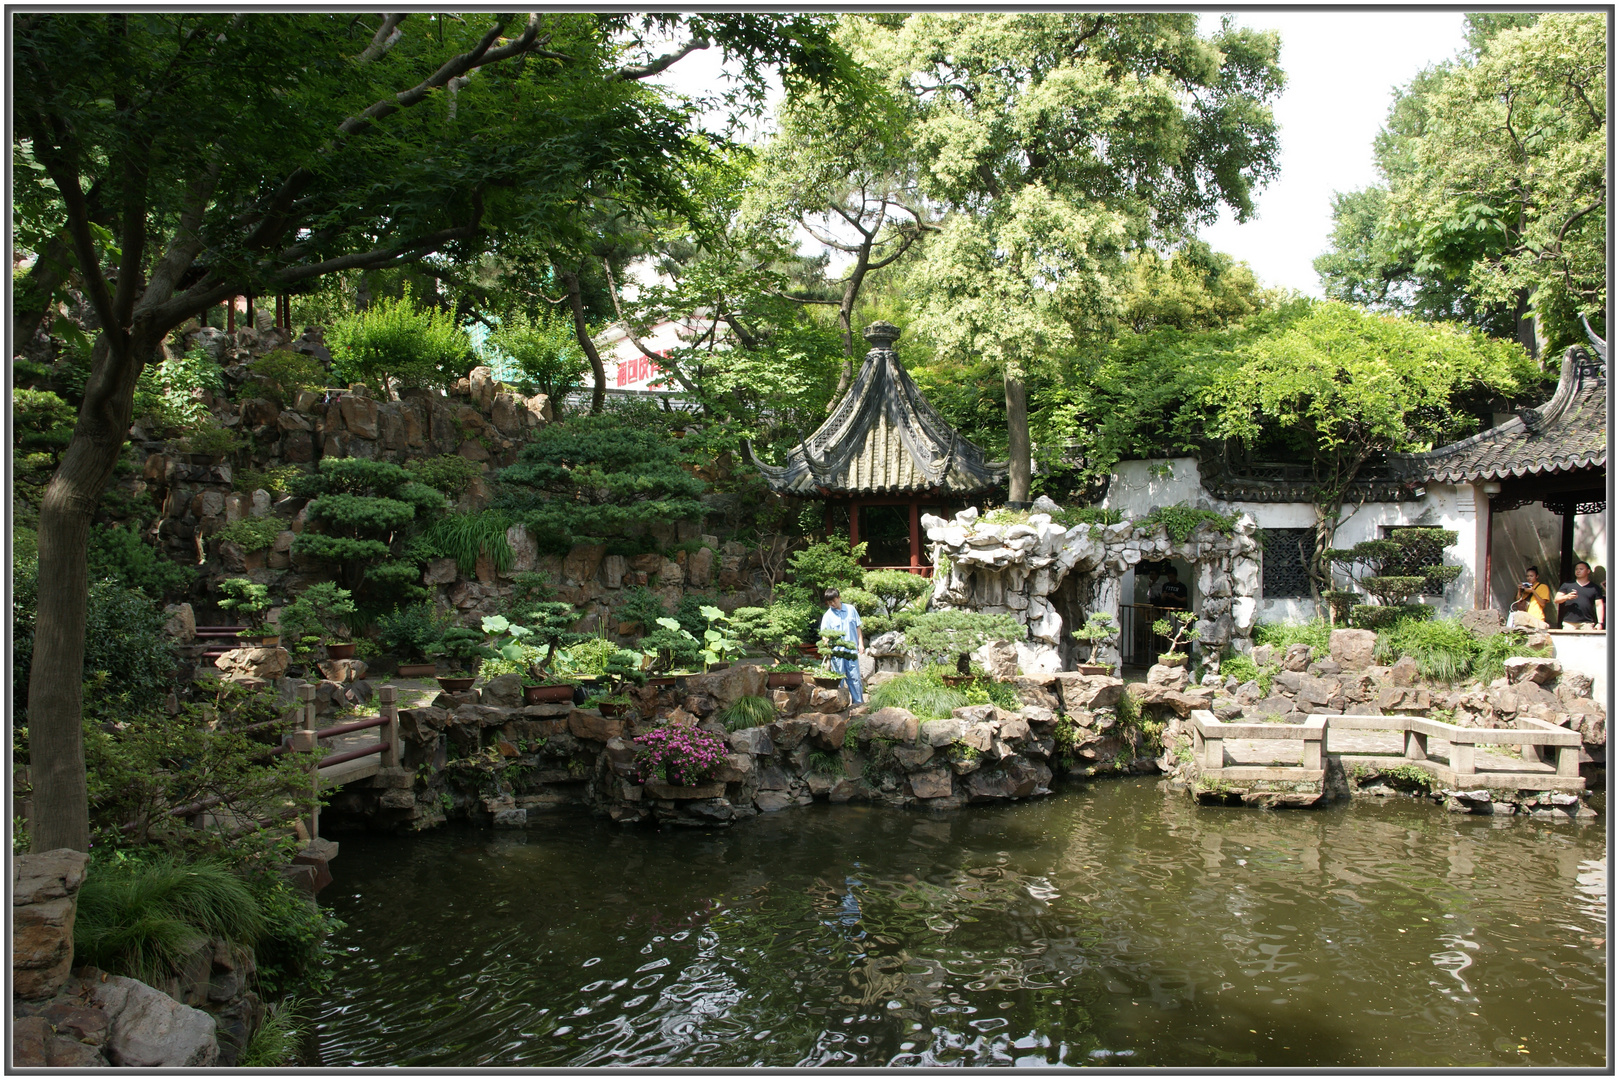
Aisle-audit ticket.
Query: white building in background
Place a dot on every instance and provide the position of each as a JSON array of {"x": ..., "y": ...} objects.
[{"x": 631, "y": 372}]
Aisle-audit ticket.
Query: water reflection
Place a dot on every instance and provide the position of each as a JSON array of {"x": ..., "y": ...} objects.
[{"x": 1111, "y": 925}]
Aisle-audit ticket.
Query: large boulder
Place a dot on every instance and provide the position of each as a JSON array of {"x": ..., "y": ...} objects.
[
  {"x": 254, "y": 663},
  {"x": 892, "y": 723},
  {"x": 182, "y": 623},
  {"x": 1535, "y": 669},
  {"x": 1353, "y": 649},
  {"x": 1089, "y": 691},
  {"x": 150, "y": 1030},
  {"x": 504, "y": 691},
  {"x": 726, "y": 687},
  {"x": 44, "y": 888}
]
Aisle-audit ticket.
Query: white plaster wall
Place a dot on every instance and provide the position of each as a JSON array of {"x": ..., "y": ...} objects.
[
  {"x": 1528, "y": 536},
  {"x": 1591, "y": 543},
  {"x": 1138, "y": 486},
  {"x": 1584, "y": 651}
]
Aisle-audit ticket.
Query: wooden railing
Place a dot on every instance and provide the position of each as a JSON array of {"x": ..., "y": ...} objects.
[{"x": 309, "y": 738}]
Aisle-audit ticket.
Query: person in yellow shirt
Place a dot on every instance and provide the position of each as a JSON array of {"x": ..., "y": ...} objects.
[{"x": 1534, "y": 600}]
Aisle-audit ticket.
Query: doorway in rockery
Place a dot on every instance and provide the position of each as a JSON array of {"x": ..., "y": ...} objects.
[
  {"x": 1074, "y": 601},
  {"x": 1149, "y": 591}
]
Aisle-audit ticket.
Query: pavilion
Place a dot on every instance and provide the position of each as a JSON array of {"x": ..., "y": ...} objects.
[{"x": 888, "y": 457}]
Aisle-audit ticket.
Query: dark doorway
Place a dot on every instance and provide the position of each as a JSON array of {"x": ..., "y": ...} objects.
[{"x": 887, "y": 533}]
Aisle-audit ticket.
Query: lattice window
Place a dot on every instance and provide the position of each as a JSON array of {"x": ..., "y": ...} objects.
[{"x": 1285, "y": 566}]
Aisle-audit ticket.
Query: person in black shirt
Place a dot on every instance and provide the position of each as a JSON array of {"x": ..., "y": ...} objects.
[
  {"x": 1172, "y": 594},
  {"x": 1582, "y": 603}
]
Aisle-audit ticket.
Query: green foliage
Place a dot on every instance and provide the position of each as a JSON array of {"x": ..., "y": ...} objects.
[
  {"x": 448, "y": 473},
  {"x": 168, "y": 397},
  {"x": 364, "y": 508},
  {"x": 411, "y": 632},
  {"x": 339, "y": 549},
  {"x": 129, "y": 661},
  {"x": 641, "y": 605},
  {"x": 825, "y": 763},
  {"x": 323, "y": 609},
  {"x": 832, "y": 562},
  {"x": 360, "y": 514},
  {"x": 120, "y": 555},
  {"x": 1494, "y": 651},
  {"x": 1488, "y": 166},
  {"x": 592, "y": 656},
  {"x": 746, "y": 712},
  {"x": 41, "y": 420},
  {"x": 596, "y": 477},
  {"x": 1316, "y": 633},
  {"x": 1399, "y": 566},
  {"x": 1243, "y": 669},
  {"x": 922, "y": 693},
  {"x": 1177, "y": 627},
  {"x": 775, "y": 630},
  {"x": 283, "y": 373},
  {"x": 395, "y": 344},
  {"x": 277, "y": 480},
  {"x": 1377, "y": 617},
  {"x": 143, "y": 917},
  {"x": 717, "y": 644},
  {"x": 1128, "y": 710},
  {"x": 541, "y": 353},
  {"x": 212, "y": 442},
  {"x": 549, "y": 623},
  {"x": 248, "y": 600},
  {"x": 465, "y": 537},
  {"x": 251, "y": 533},
  {"x": 943, "y": 635},
  {"x": 461, "y": 645},
  {"x": 278, "y": 1039},
  {"x": 1099, "y": 627},
  {"x": 669, "y": 648},
  {"x": 1180, "y": 521}
]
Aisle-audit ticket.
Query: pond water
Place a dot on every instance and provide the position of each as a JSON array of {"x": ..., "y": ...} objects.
[{"x": 1113, "y": 924}]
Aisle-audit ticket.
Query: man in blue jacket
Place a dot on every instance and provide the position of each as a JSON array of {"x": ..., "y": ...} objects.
[{"x": 841, "y": 618}]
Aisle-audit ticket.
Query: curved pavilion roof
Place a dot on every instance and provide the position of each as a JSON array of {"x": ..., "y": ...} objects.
[{"x": 882, "y": 439}]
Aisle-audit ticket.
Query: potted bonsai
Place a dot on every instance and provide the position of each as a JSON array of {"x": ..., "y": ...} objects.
[
  {"x": 463, "y": 647},
  {"x": 321, "y": 612},
  {"x": 1176, "y": 626},
  {"x": 618, "y": 670},
  {"x": 832, "y": 646},
  {"x": 945, "y": 636},
  {"x": 1098, "y": 628},
  {"x": 410, "y": 633},
  {"x": 549, "y": 625},
  {"x": 774, "y": 631},
  {"x": 665, "y": 649},
  {"x": 250, "y": 601}
]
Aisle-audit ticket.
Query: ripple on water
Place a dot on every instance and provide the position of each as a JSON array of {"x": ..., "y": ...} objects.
[{"x": 1108, "y": 925}]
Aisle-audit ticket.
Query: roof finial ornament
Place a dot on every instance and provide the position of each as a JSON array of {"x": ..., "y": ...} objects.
[{"x": 882, "y": 335}]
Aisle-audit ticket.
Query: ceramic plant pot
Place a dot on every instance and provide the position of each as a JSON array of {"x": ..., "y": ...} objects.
[
  {"x": 464, "y": 683},
  {"x": 784, "y": 680},
  {"x": 340, "y": 650},
  {"x": 539, "y": 695}
]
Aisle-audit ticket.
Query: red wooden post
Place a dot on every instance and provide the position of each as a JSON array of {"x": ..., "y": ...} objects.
[
  {"x": 388, "y": 695},
  {"x": 916, "y": 533},
  {"x": 854, "y": 522}
]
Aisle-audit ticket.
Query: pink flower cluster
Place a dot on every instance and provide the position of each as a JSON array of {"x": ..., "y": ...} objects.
[{"x": 681, "y": 756}]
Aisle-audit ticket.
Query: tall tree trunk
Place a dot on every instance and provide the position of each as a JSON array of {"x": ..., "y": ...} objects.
[
  {"x": 55, "y": 682},
  {"x": 846, "y": 323},
  {"x": 598, "y": 396},
  {"x": 1017, "y": 434}
]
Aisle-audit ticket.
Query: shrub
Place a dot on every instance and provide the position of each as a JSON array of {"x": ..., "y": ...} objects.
[
  {"x": 448, "y": 473},
  {"x": 142, "y": 917},
  {"x": 126, "y": 652},
  {"x": 249, "y": 600},
  {"x": 544, "y": 352},
  {"x": 641, "y": 606},
  {"x": 946, "y": 635},
  {"x": 775, "y": 630},
  {"x": 277, "y": 480},
  {"x": 669, "y": 648},
  {"x": 320, "y": 611},
  {"x": 1444, "y": 649},
  {"x": 1180, "y": 521},
  {"x": 591, "y": 657},
  {"x": 747, "y": 711},
  {"x": 1378, "y": 616},
  {"x": 282, "y": 373},
  {"x": 213, "y": 442},
  {"x": 1315, "y": 633},
  {"x": 922, "y": 693},
  {"x": 396, "y": 344},
  {"x": 832, "y": 562},
  {"x": 364, "y": 508},
  {"x": 250, "y": 533},
  {"x": 42, "y": 420},
  {"x": 679, "y": 756},
  {"x": 411, "y": 632},
  {"x": 1243, "y": 669},
  {"x": 1494, "y": 651},
  {"x": 168, "y": 396},
  {"x": 1398, "y": 567},
  {"x": 596, "y": 477},
  {"x": 119, "y": 554},
  {"x": 465, "y": 537}
]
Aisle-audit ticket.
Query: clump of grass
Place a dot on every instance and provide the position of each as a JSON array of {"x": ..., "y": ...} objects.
[
  {"x": 824, "y": 763},
  {"x": 1444, "y": 649},
  {"x": 921, "y": 693},
  {"x": 746, "y": 712},
  {"x": 143, "y": 918},
  {"x": 1315, "y": 633},
  {"x": 275, "y": 1044},
  {"x": 1494, "y": 652}
]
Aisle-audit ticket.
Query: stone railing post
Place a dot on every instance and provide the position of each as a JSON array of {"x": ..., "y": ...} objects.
[
  {"x": 1416, "y": 745},
  {"x": 388, "y": 696}
]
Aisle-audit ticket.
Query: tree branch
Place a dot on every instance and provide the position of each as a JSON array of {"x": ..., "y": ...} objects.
[
  {"x": 663, "y": 63},
  {"x": 387, "y": 35}
]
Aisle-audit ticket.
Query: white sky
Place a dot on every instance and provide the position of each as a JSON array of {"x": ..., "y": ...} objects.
[{"x": 1342, "y": 68}]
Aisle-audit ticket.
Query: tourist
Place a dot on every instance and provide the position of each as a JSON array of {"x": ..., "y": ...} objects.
[
  {"x": 1172, "y": 594},
  {"x": 1533, "y": 602},
  {"x": 1581, "y": 603},
  {"x": 843, "y": 619}
]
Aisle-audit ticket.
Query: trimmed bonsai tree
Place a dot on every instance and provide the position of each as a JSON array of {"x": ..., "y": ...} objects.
[
  {"x": 946, "y": 636},
  {"x": 895, "y": 599},
  {"x": 462, "y": 647},
  {"x": 1099, "y": 628},
  {"x": 365, "y": 511},
  {"x": 319, "y": 613},
  {"x": 411, "y": 632},
  {"x": 668, "y": 647},
  {"x": 1405, "y": 564},
  {"x": 249, "y": 601},
  {"x": 776, "y": 630},
  {"x": 1177, "y": 627},
  {"x": 547, "y": 625}
]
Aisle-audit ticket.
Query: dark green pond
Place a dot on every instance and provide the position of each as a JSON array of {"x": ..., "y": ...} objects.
[{"x": 1113, "y": 925}]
